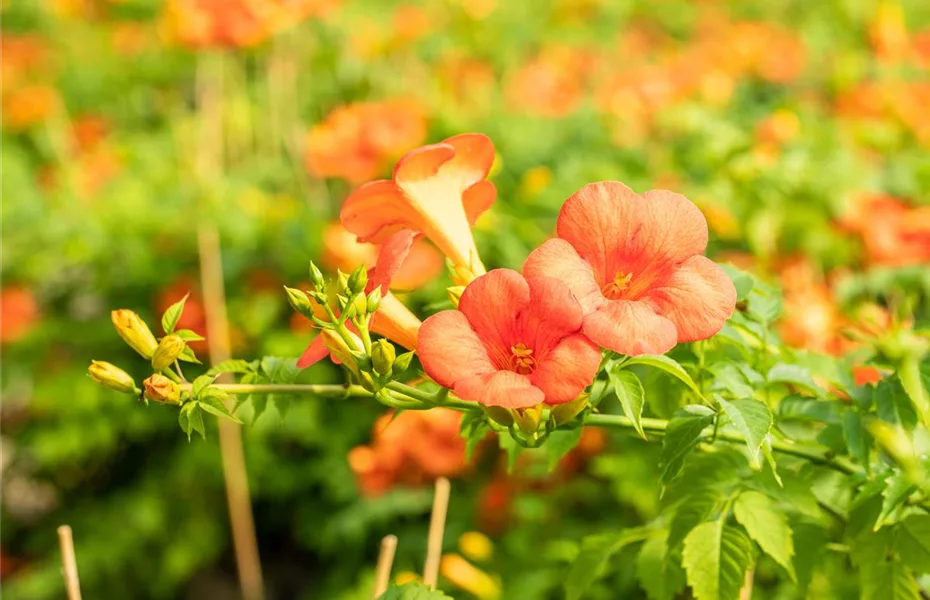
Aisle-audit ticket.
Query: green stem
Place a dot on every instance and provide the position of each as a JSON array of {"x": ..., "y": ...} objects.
[{"x": 326, "y": 390}]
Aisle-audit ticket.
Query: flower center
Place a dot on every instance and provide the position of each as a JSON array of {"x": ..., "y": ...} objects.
[
  {"x": 522, "y": 359},
  {"x": 614, "y": 289}
]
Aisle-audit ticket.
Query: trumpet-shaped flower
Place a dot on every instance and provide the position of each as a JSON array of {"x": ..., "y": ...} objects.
[
  {"x": 634, "y": 262},
  {"x": 392, "y": 320},
  {"x": 438, "y": 190},
  {"x": 513, "y": 342}
]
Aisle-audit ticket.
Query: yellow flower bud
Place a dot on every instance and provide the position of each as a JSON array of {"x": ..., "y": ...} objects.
[
  {"x": 358, "y": 280},
  {"x": 159, "y": 388},
  {"x": 340, "y": 350},
  {"x": 467, "y": 577},
  {"x": 528, "y": 418},
  {"x": 111, "y": 376},
  {"x": 374, "y": 300},
  {"x": 134, "y": 332},
  {"x": 476, "y": 546},
  {"x": 299, "y": 301},
  {"x": 168, "y": 351},
  {"x": 382, "y": 356},
  {"x": 498, "y": 414},
  {"x": 563, "y": 413},
  {"x": 455, "y": 294}
]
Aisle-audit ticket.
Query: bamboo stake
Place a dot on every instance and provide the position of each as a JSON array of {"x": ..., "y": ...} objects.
[
  {"x": 437, "y": 525},
  {"x": 385, "y": 563},
  {"x": 209, "y": 166},
  {"x": 69, "y": 563}
]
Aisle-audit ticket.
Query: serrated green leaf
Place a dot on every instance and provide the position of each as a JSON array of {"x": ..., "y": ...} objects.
[
  {"x": 911, "y": 382},
  {"x": 412, "y": 591},
  {"x": 892, "y": 404},
  {"x": 233, "y": 365},
  {"x": 560, "y": 443},
  {"x": 670, "y": 366},
  {"x": 810, "y": 545},
  {"x": 858, "y": 440},
  {"x": 215, "y": 406},
  {"x": 200, "y": 384},
  {"x": 259, "y": 405},
  {"x": 770, "y": 459},
  {"x": 751, "y": 418},
  {"x": 742, "y": 281},
  {"x": 888, "y": 580},
  {"x": 280, "y": 370},
  {"x": 595, "y": 551},
  {"x": 793, "y": 374},
  {"x": 898, "y": 488},
  {"x": 681, "y": 435},
  {"x": 169, "y": 320},
  {"x": 184, "y": 419},
  {"x": 716, "y": 557},
  {"x": 695, "y": 509},
  {"x": 187, "y": 355},
  {"x": 474, "y": 428},
  {"x": 767, "y": 525},
  {"x": 196, "y": 419},
  {"x": 189, "y": 336},
  {"x": 801, "y": 408},
  {"x": 912, "y": 542},
  {"x": 282, "y": 403},
  {"x": 629, "y": 391},
  {"x": 658, "y": 574}
]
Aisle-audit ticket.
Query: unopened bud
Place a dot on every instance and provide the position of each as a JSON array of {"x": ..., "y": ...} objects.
[
  {"x": 374, "y": 300},
  {"x": 159, "y": 388},
  {"x": 358, "y": 280},
  {"x": 339, "y": 349},
  {"x": 111, "y": 376},
  {"x": 402, "y": 362},
  {"x": 134, "y": 332},
  {"x": 476, "y": 546},
  {"x": 168, "y": 351},
  {"x": 528, "y": 419},
  {"x": 316, "y": 277},
  {"x": 319, "y": 297},
  {"x": 342, "y": 282},
  {"x": 498, "y": 414},
  {"x": 299, "y": 301},
  {"x": 382, "y": 356},
  {"x": 563, "y": 413},
  {"x": 466, "y": 576},
  {"x": 455, "y": 294},
  {"x": 360, "y": 304}
]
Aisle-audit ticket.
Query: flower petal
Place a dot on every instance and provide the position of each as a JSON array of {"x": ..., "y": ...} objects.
[
  {"x": 630, "y": 328},
  {"x": 477, "y": 199},
  {"x": 391, "y": 255},
  {"x": 394, "y": 321},
  {"x": 567, "y": 370},
  {"x": 558, "y": 259},
  {"x": 698, "y": 298},
  {"x": 375, "y": 211},
  {"x": 474, "y": 155},
  {"x": 314, "y": 353},
  {"x": 501, "y": 388},
  {"x": 423, "y": 163},
  {"x": 551, "y": 314},
  {"x": 450, "y": 350},
  {"x": 491, "y": 303}
]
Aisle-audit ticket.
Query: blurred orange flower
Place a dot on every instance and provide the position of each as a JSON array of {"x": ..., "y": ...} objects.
[
  {"x": 28, "y": 105},
  {"x": 412, "y": 448},
  {"x": 893, "y": 233},
  {"x": 19, "y": 313},
  {"x": 550, "y": 85},
  {"x": 810, "y": 317},
  {"x": 357, "y": 141}
]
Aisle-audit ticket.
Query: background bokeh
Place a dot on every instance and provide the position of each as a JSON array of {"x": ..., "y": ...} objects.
[{"x": 801, "y": 129}]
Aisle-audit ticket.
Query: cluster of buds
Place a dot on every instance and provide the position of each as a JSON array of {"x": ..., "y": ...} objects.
[
  {"x": 164, "y": 384},
  {"x": 343, "y": 310}
]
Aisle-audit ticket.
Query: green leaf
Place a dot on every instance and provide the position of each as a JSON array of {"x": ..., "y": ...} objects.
[
  {"x": 695, "y": 509},
  {"x": 892, "y": 404},
  {"x": 801, "y": 408},
  {"x": 858, "y": 440},
  {"x": 681, "y": 435},
  {"x": 793, "y": 374},
  {"x": 184, "y": 419},
  {"x": 716, "y": 557},
  {"x": 169, "y": 320},
  {"x": 898, "y": 488},
  {"x": 810, "y": 545},
  {"x": 770, "y": 459},
  {"x": 595, "y": 551},
  {"x": 189, "y": 336},
  {"x": 560, "y": 443},
  {"x": 187, "y": 355},
  {"x": 751, "y": 418},
  {"x": 912, "y": 542},
  {"x": 195, "y": 420},
  {"x": 215, "y": 406},
  {"x": 233, "y": 365},
  {"x": 742, "y": 281},
  {"x": 767, "y": 525},
  {"x": 412, "y": 591},
  {"x": 259, "y": 405},
  {"x": 280, "y": 370},
  {"x": 200, "y": 384},
  {"x": 670, "y": 366},
  {"x": 509, "y": 445},
  {"x": 888, "y": 580},
  {"x": 660, "y": 576},
  {"x": 909, "y": 374},
  {"x": 629, "y": 391},
  {"x": 474, "y": 429}
]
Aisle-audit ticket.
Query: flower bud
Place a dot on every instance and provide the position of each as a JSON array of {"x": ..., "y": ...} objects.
[
  {"x": 159, "y": 388},
  {"x": 360, "y": 305},
  {"x": 316, "y": 277},
  {"x": 134, "y": 332},
  {"x": 358, "y": 280},
  {"x": 340, "y": 350},
  {"x": 563, "y": 413},
  {"x": 111, "y": 376},
  {"x": 476, "y": 546},
  {"x": 455, "y": 294},
  {"x": 319, "y": 297},
  {"x": 528, "y": 418},
  {"x": 402, "y": 362},
  {"x": 498, "y": 414},
  {"x": 382, "y": 356},
  {"x": 374, "y": 300},
  {"x": 168, "y": 351},
  {"x": 299, "y": 301},
  {"x": 462, "y": 275},
  {"x": 466, "y": 576},
  {"x": 342, "y": 282}
]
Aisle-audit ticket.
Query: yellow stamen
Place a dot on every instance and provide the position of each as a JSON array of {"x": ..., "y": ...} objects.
[
  {"x": 615, "y": 288},
  {"x": 522, "y": 357}
]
